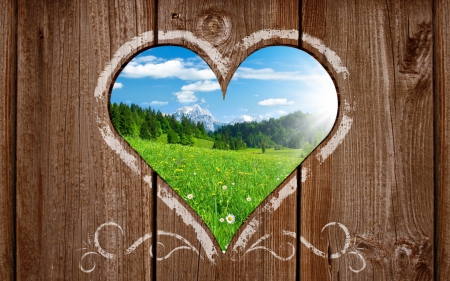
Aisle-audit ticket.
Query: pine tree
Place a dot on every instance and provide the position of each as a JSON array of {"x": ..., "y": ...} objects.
[
  {"x": 116, "y": 118},
  {"x": 127, "y": 123},
  {"x": 145, "y": 131}
]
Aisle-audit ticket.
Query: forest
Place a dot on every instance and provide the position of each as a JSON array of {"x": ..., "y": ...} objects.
[{"x": 293, "y": 131}]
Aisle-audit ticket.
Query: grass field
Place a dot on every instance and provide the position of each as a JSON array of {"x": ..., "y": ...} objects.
[{"x": 223, "y": 187}]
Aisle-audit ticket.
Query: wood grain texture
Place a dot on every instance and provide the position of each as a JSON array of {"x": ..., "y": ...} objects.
[
  {"x": 441, "y": 42},
  {"x": 224, "y": 24},
  {"x": 8, "y": 45},
  {"x": 379, "y": 181},
  {"x": 70, "y": 181}
]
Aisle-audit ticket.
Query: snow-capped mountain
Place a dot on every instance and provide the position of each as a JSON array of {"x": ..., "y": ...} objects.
[
  {"x": 196, "y": 114},
  {"x": 248, "y": 118}
]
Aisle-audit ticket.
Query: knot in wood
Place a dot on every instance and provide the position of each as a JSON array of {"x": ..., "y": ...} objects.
[
  {"x": 177, "y": 20},
  {"x": 215, "y": 27}
]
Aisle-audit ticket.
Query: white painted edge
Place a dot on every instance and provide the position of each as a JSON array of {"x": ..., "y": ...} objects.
[
  {"x": 126, "y": 49},
  {"x": 101, "y": 92},
  {"x": 304, "y": 174},
  {"x": 222, "y": 63},
  {"x": 269, "y": 208},
  {"x": 115, "y": 144},
  {"x": 246, "y": 234},
  {"x": 339, "y": 136},
  {"x": 189, "y": 220},
  {"x": 266, "y": 34},
  {"x": 329, "y": 54},
  {"x": 284, "y": 193}
]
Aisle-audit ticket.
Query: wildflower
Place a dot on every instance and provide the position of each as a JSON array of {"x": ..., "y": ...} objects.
[
  {"x": 278, "y": 179},
  {"x": 190, "y": 196},
  {"x": 232, "y": 183},
  {"x": 221, "y": 219},
  {"x": 195, "y": 173},
  {"x": 224, "y": 187},
  {"x": 249, "y": 199},
  {"x": 230, "y": 218},
  {"x": 217, "y": 169},
  {"x": 219, "y": 182}
]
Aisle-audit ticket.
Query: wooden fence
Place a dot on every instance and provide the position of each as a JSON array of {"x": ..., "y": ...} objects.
[{"x": 370, "y": 203}]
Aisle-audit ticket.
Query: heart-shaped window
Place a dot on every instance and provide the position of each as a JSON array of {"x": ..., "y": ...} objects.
[{"x": 223, "y": 156}]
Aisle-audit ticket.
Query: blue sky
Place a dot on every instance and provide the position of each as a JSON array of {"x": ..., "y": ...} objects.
[{"x": 271, "y": 82}]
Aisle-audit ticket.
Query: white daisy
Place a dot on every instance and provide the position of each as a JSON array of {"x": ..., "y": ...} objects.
[
  {"x": 249, "y": 199},
  {"x": 224, "y": 187},
  {"x": 230, "y": 219},
  {"x": 190, "y": 196},
  {"x": 221, "y": 219}
]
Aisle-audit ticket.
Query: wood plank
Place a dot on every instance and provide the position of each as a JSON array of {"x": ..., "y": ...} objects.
[
  {"x": 378, "y": 181},
  {"x": 70, "y": 181},
  {"x": 441, "y": 31},
  {"x": 216, "y": 30},
  {"x": 8, "y": 60},
  {"x": 262, "y": 249}
]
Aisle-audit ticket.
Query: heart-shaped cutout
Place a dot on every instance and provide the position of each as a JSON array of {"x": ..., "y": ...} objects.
[{"x": 224, "y": 157}]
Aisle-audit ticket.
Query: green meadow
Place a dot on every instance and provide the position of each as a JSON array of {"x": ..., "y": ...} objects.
[{"x": 223, "y": 186}]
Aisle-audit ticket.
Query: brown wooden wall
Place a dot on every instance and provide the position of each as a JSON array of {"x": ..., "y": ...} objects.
[{"x": 77, "y": 203}]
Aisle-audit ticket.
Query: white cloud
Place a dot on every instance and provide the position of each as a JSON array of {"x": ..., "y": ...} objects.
[
  {"x": 202, "y": 86},
  {"x": 127, "y": 101},
  {"x": 158, "y": 103},
  {"x": 273, "y": 102},
  {"x": 186, "y": 96},
  {"x": 147, "y": 59},
  {"x": 175, "y": 68},
  {"x": 270, "y": 74},
  {"x": 203, "y": 100},
  {"x": 117, "y": 85}
]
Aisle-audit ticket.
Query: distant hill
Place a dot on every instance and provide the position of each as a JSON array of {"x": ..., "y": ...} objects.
[{"x": 248, "y": 119}]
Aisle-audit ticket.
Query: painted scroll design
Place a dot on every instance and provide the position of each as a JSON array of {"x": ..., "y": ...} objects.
[
  {"x": 258, "y": 245},
  {"x": 101, "y": 252},
  {"x": 344, "y": 251},
  {"x": 222, "y": 63}
]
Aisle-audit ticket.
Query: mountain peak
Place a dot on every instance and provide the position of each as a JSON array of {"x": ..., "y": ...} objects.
[{"x": 198, "y": 114}]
